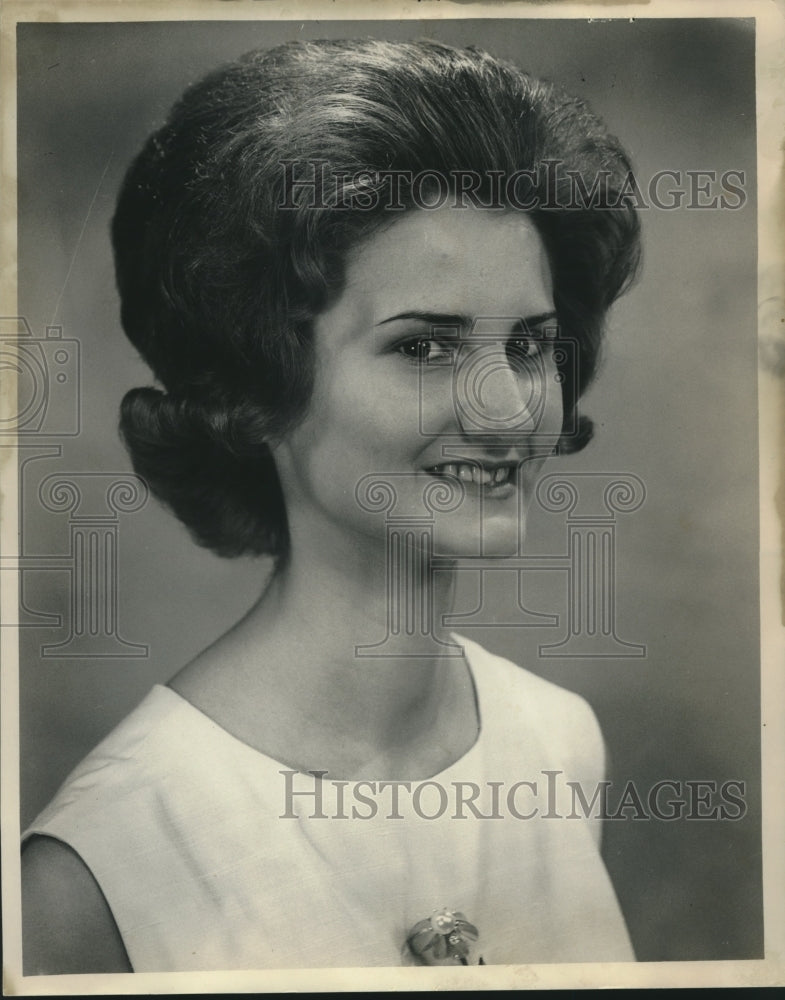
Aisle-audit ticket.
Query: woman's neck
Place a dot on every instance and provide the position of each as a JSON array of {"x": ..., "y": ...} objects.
[{"x": 290, "y": 680}]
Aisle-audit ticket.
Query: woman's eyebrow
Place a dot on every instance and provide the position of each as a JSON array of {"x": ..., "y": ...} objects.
[
  {"x": 434, "y": 318},
  {"x": 463, "y": 321}
]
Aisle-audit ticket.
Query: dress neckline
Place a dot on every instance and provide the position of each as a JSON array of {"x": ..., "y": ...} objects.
[{"x": 220, "y": 731}]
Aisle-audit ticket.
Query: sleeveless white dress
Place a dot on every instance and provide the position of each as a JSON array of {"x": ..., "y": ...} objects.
[{"x": 212, "y": 855}]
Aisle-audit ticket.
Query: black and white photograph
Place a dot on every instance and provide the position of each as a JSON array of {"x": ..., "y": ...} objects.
[{"x": 391, "y": 573}]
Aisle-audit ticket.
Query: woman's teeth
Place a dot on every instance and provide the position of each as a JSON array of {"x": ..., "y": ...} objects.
[{"x": 473, "y": 473}]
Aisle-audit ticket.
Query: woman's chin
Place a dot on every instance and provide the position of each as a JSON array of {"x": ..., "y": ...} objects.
[{"x": 495, "y": 541}]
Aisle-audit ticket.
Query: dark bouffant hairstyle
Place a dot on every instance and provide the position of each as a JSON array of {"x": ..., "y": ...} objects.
[{"x": 220, "y": 282}]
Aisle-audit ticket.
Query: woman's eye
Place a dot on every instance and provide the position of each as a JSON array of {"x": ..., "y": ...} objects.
[
  {"x": 426, "y": 351},
  {"x": 523, "y": 347}
]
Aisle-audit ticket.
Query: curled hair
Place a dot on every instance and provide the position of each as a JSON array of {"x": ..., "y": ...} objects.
[{"x": 220, "y": 282}]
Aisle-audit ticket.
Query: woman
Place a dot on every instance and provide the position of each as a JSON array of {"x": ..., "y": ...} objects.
[{"x": 345, "y": 263}]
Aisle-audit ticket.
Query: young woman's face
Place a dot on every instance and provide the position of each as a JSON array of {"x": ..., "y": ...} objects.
[{"x": 435, "y": 377}]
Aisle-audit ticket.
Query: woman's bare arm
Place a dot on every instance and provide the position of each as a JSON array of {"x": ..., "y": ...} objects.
[{"x": 67, "y": 926}]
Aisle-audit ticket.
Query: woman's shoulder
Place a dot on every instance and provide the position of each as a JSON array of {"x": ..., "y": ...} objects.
[
  {"x": 167, "y": 783},
  {"x": 157, "y": 762},
  {"x": 525, "y": 707},
  {"x": 123, "y": 757},
  {"x": 498, "y": 674}
]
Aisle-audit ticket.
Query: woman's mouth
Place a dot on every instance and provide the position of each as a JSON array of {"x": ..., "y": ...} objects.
[{"x": 491, "y": 477}]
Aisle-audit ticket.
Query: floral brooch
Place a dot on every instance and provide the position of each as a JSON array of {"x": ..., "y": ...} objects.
[{"x": 444, "y": 938}]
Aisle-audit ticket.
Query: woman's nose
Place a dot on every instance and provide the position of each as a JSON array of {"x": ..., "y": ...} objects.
[{"x": 497, "y": 390}]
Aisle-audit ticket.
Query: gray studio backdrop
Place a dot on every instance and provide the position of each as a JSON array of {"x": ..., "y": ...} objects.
[{"x": 675, "y": 406}]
